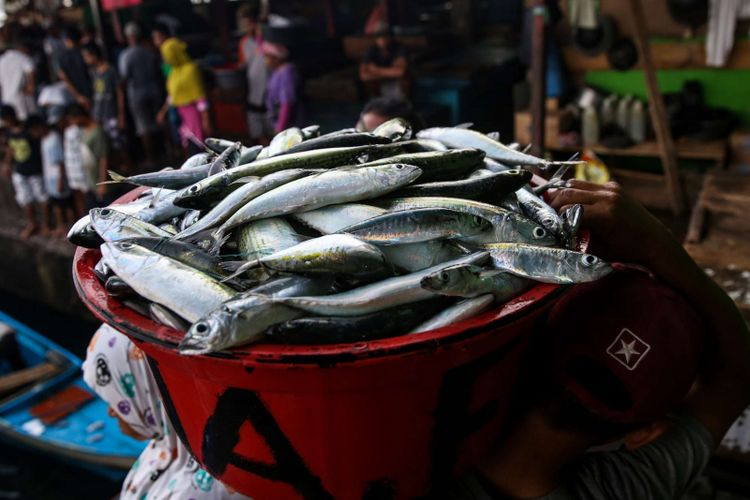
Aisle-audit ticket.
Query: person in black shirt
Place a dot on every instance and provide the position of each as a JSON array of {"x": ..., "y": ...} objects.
[
  {"x": 384, "y": 69},
  {"x": 73, "y": 70},
  {"x": 23, "y": 164}
]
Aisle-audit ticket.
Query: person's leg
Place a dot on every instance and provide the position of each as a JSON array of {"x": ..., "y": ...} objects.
[
  {"x": 40, "y": 197},
  {"x": 79, "y": 203},
  {"x": 31, "y": 225},
  {"x": 25, "y": 200},
  {"x": 57, "y": 212}
]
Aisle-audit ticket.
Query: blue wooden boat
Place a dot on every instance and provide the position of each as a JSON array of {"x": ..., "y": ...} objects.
[{"x": 87, "y": 436}]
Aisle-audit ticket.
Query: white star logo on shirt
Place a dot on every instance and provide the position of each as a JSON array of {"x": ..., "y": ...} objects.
[{"x": 628, "y": 349}]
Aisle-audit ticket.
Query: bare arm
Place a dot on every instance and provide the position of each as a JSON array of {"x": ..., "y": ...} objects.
[
  {"x": 30, "y": 85},
  {"x": 631, "y": 234},
  {"x": 396, "y": 70},
  {"x": 7, "y": 159},
  {"x": 80, "y": 98}
]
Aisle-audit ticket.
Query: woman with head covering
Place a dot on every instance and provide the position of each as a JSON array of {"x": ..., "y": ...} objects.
[
  {"x": 116, "y": 369},
  {"x": 185, "y": 92}
]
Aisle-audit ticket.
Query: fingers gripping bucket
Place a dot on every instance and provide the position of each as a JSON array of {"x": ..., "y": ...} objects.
[{"x": 383, "y": 419}]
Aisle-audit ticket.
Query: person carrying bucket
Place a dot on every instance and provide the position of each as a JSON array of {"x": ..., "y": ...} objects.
[
  {"x": 613, "y": 369},
  {"x": 117, "y": 370}
]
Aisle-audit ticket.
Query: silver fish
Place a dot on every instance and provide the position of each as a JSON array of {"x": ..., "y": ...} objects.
[
  {"x": 465, "y": 138},
  {"x": 265, "y": 237},
  {"x": 198, "y": 159},
  {"x": 327, "y": 188},
  {"x": 189, "y": 293},
  {"x": 471, "y": 281},
  {"x": 418, "y": 256},
  {"x": 329, "y": 254},
  {"x": 508, "y": 226},
  {"x": 285, "y": 140},
  {"x": 417, "y": 225},
  {"x": 113, "y": 225},
  {"x": 395, "y": 129},
  {"x": 548, "y": 265},
  {"x": 243, "y": 319},
  {"x": 162, "y": 315},
  {"x": 251, "y": 189},
  {"x": 537, "y": 210},
  {"x": 330, "y": 219},
  {"x": 571, "y": 221},
  {"x": 310, "y": 132},
  {"x": 202, "y": 193},
  {"x": 377, "y": 296},
  {"x": 465, "y": 309}
]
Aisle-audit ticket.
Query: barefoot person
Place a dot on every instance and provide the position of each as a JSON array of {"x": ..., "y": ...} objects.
[{"x": 23, "y": 164}]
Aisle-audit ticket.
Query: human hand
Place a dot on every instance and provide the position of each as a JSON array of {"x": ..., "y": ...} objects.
[{"x": 622, "y": 229}]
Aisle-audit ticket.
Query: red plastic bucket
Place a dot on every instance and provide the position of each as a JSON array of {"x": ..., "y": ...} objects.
[{"x": 380, "y": 419}]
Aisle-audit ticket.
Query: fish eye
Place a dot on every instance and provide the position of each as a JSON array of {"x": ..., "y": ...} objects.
[
  {"x": 193, "y": 188},
  {"x": 589, "y": 260},
  {"x": 444, "y": 277},
  {"x": 399, "y": 166},
  {"x": 105, "y": 212},
  {"x": 539, "y": 233},
  {"x": 125, "y": 245},
  {"x": 225, "y": 309},
  {"x": 201, "y": 327}
]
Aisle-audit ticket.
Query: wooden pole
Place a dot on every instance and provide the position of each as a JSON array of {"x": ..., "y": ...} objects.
[
  {"x": 538, "y": 76},
  {"x": 657, "y": 111}
]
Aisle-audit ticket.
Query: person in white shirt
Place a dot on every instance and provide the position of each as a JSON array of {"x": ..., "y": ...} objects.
[{"x": 18, "y": 80}]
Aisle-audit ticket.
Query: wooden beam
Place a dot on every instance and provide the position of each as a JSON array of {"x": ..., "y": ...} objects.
[
  {"x": 15, "y": 380},
  {"x": 538, "y": 76},
  {"x": 657, "y": 111}
]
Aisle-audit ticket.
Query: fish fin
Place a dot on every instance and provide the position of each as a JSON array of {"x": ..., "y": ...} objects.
[
  {"x": 115, "y": 178},
  {"x": 495, "y": 136},
  {"x": 553, "y": 181},
  {"x": 218, "y": 241},
  {"x": 527, "y": 148},
  {"x": 216, "y": 167},
  {"x": 231, "y": 266},
  {"x": 466, "y": 125},
  {"x": 245, "y": 266},
  {"x": 244, "y": 180}
]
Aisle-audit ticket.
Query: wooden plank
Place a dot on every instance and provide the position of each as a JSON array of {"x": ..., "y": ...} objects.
[
  {"x": 666, "y": 55},
  {"x": 656, "y": 109},
  {"x": 14, "y": 381},
  {"x": 689, "y": 150},
  {"x": 698, "y": 215}
]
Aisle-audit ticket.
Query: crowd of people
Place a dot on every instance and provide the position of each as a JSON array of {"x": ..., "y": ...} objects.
[{"x": 70, "y": 110}]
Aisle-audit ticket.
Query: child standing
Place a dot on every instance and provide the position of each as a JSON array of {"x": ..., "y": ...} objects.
[
  {"x": 85, "y": 158},
  {"x": 23, "y": 164},
  {"x": 53, "y": 166}
]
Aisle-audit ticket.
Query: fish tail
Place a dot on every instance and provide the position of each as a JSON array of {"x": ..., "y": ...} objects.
[
  {"x": 219, "y": 238},
  {"x": 245, "y": 266}
]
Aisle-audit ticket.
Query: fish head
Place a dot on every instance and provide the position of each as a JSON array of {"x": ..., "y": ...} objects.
[
  {"x": 478, "y": 224},
  {"x": 587, "y": 267},
  {"x": 197, "y": 195},
  {"x": 532, "y": 233},
  {"x": 520, "y": 174},
  {"x": 395, "y": 129},
  {"x": 208, "y": 334},
  {"x": 106, "y": 219},
  {"x": 452, "y": 280},
  {"x": 83, "y": 234},
  {"x": 197, "y": 159},
  {"x": 396, "y": 174}
]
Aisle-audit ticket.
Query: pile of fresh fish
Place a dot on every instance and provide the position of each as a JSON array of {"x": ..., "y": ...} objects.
[{"x": 333, "y": 238}]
